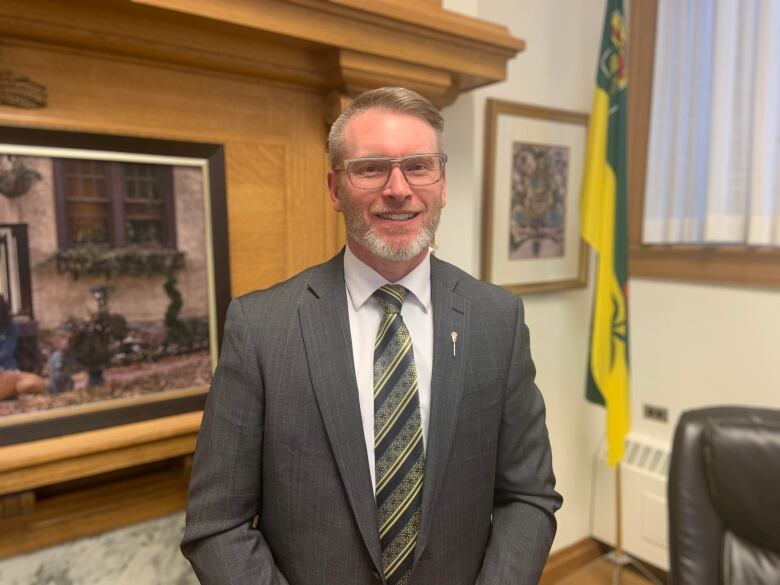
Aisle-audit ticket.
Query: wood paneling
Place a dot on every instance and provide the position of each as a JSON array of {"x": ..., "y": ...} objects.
[
  {"x": 247, "y": 74},
  {"x": 274, "y": 143},
  {"x": 274, "y": 39},
  {"x": 359, "y": 72},
  {"x": 640, "y": 89},
  {"x": 161, "y": 37},
  {"x": 477, "y": 50},
  {"x": 16, "y": 504}
]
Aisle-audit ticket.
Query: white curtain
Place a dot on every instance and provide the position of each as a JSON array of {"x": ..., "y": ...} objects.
[{"x": 713, "y": 168}]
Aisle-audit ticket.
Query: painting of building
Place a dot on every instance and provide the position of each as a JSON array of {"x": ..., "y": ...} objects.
[{"x": 104, "y": 270}]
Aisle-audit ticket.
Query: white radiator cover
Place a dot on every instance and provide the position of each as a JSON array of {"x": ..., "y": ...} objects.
[{"x": 644, "y": 474}]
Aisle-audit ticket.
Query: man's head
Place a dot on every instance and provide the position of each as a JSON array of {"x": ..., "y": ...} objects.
[{"x": 391, "y": 210}]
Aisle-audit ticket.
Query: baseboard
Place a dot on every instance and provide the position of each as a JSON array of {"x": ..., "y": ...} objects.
[{"x": 569, "y": 559}]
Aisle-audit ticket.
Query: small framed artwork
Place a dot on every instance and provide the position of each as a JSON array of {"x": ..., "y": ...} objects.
[
  {"x": 114, "y": 279},
  {"x": 534, "y": 161}
]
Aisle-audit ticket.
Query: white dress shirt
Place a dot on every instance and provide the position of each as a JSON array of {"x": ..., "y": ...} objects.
[{"x": 365, "y": 314}]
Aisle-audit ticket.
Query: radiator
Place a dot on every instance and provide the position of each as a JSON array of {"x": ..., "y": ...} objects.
[{"x": 644, "y": 474}]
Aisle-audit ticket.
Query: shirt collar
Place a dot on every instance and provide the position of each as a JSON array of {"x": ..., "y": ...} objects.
[{"x": 362, "y": 280}]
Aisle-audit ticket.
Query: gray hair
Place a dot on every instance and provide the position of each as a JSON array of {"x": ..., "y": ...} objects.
[{"x": 391, "y": 99}]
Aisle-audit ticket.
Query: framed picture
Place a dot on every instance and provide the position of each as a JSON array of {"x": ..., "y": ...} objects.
[
  {"x": 534, "y": 160},
  {"x": 114, "y": 279}
]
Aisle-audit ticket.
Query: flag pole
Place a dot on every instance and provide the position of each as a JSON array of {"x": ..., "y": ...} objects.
[
  {"x": 618, "y": 557},
  {"x": 618, "y": 513}
]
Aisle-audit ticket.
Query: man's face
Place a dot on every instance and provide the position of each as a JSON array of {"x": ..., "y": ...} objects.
[{"x": 395, "y": 222}]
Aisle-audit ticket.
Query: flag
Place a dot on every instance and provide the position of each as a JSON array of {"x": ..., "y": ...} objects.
[{"x": 604, "y": 225}]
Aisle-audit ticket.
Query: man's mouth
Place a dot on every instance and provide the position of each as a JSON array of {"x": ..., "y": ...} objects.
[{"x": 397, "y": 216}]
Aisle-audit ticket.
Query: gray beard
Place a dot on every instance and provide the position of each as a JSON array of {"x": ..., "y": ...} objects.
[{"x": 362, "y": 233}]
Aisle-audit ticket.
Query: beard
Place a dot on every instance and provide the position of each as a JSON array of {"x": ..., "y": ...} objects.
[{"x": 364, "y": 234}]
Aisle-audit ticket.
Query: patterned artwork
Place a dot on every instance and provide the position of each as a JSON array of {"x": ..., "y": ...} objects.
[{"x": 540, "y": 176}]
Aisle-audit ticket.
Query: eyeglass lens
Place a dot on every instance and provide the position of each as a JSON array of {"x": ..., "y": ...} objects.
[{"x": 374, "y": 172}]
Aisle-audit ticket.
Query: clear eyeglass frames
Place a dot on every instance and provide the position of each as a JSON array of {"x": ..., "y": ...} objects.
[{"x": 419, "y": 170}]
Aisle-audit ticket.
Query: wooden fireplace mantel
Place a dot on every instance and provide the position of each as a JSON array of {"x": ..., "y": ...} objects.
[{"x": 344, "y": 45}]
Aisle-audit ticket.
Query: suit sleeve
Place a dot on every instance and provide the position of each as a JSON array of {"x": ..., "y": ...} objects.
[
  {"x": 226, "y": 483},
  {"x": 525, "y": 499}
]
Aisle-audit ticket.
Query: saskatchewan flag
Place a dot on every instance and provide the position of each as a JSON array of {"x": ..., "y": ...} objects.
[{"x": 604, "y": 225}]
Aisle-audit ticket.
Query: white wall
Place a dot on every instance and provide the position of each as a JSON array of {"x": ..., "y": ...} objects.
[
  {"x": 696, "y": 345},
  {"x": 691, "y": 345},
  {"x": 556, "y": 70}
]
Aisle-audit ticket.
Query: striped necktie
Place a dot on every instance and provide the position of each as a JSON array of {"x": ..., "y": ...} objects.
[{"x": 398, "y": 444}]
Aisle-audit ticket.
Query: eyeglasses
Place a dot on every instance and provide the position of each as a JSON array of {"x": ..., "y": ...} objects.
[{"x": 373, "y": 172}]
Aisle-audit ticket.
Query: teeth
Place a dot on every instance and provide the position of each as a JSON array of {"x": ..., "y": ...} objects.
[{"x": 397, "y": 216}]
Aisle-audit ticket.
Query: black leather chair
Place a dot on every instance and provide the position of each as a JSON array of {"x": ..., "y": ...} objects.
[{"x": 724, "y": 498}]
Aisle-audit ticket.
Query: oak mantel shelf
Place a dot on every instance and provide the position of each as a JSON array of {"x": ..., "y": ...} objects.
[
  {"x": 34, "y": 464},
  {"x": 342, "y": 45}
]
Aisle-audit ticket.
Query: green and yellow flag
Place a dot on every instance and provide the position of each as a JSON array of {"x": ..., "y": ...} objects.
[{"x": 604, "y": 225}]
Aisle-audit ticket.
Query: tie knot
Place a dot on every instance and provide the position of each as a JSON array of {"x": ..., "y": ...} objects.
[{"x": 390, "y": 297}]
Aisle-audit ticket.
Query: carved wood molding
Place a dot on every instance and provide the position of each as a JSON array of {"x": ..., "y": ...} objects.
[
  {"x": 359, "y": 72},
  {"x": 21, "y": 92},
  {"x": 345, "y": 45}
]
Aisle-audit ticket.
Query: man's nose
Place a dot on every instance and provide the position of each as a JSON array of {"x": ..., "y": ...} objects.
[{"x": 397, "y": 185}]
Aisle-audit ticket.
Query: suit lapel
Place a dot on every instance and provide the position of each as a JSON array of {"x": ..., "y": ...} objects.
[
  {"x": 325, "y": 327},
  {"x": 450, "y": 314}
]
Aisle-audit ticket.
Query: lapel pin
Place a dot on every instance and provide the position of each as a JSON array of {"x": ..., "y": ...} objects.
[{"x": 454, "y": 336}]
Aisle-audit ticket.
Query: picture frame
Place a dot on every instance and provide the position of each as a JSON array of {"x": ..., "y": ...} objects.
[
  {"x": 534, "y": 158},
  {"x": 144, "y": 238}
]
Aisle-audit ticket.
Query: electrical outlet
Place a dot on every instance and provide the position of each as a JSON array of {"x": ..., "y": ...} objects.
[{"x": 657, "y": 413}]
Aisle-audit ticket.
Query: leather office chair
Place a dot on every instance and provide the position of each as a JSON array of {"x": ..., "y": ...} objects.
[{"x": 724, "y": 498}]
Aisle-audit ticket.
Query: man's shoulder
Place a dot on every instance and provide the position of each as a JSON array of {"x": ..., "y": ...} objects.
[
  {"x": 290, "y": 292},
  {"x": 485, "y": 293}
]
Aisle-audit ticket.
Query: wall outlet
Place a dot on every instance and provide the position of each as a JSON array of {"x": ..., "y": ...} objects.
[{"x": 657, "y": 413}]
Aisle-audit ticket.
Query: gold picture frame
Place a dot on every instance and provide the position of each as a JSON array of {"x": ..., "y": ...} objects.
[{"x": 534, "y": 160}]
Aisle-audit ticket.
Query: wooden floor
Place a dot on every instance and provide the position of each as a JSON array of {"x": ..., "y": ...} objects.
[{"x": 601, "y": 572}]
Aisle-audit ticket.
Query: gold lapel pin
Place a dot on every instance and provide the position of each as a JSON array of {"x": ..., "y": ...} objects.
[{"x": 454, "y": 336}]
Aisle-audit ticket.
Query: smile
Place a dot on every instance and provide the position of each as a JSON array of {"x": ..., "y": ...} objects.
[{"x": 397, "y": 216}]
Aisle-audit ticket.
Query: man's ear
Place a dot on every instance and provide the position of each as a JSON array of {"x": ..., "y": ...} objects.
[{"x": 333, "y": 189}]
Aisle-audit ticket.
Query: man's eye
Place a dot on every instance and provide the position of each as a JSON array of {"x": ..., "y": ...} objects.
[
  {"x": 419, "y": 166},
  {"x": 368, "y": 168}
]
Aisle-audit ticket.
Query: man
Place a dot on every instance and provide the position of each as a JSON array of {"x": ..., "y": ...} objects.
[{"x": 361, "y": 433}]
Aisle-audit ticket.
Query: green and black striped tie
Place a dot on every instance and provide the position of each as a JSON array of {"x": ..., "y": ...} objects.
[{"x": 398, "y": 443}]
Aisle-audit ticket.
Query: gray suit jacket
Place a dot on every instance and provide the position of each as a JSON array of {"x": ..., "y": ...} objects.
[{"x": 282, "y": 438}]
